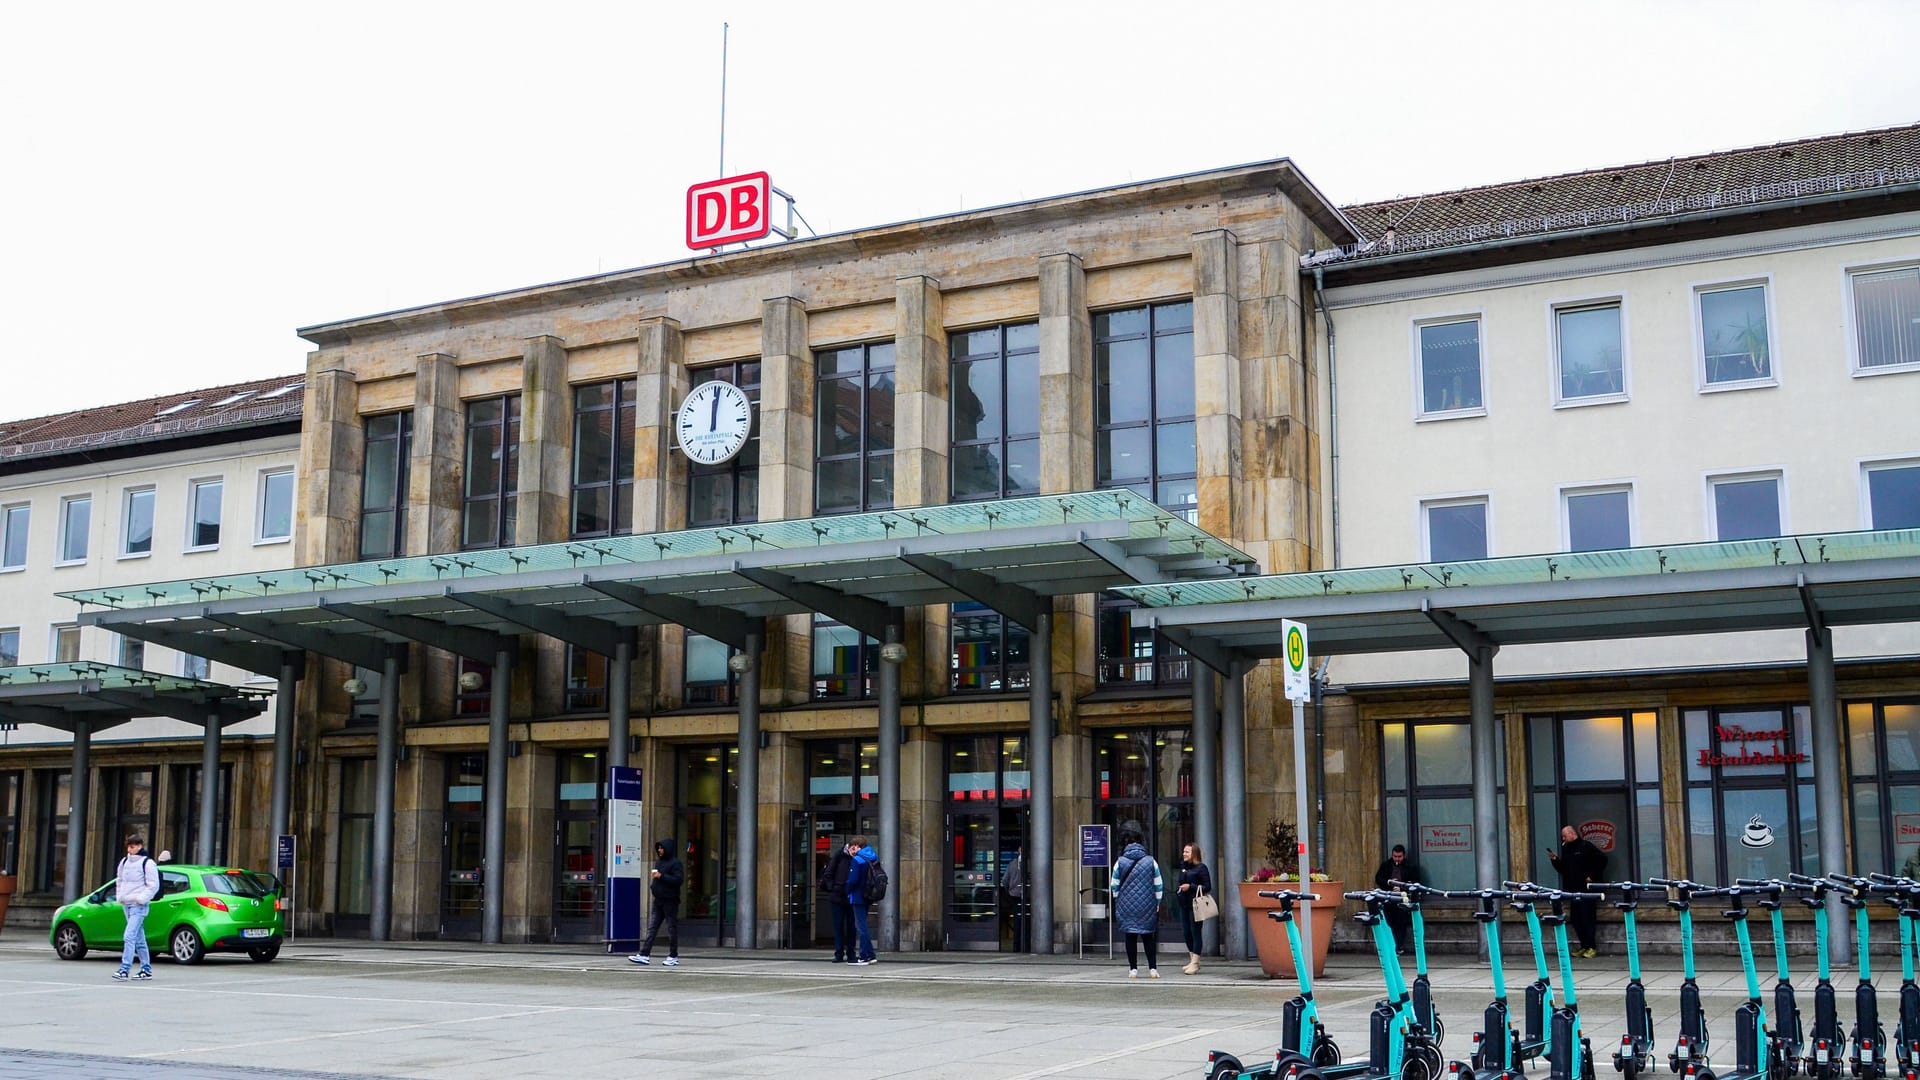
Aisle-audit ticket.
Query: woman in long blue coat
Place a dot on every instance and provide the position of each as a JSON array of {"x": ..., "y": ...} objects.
[{"x": 1137, "y": 890}]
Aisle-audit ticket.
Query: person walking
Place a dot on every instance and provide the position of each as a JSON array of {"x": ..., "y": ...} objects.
[
  {"x": 136, "y": 883},
  {"x": 1195, "y": 879},
  {"x": 1580, "y": 864},
  {"x": 1013, "y": 882},
  {"x": 1399, "y": 918},
  {"x": 864, "y": 859},
  {"x": 833, "y": 889},
  {"x": 667, "y": 877},
  {"x": 1137, "y": 890}
]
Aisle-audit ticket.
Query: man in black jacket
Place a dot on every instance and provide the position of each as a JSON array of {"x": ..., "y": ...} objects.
[
  {"x": 1398, "y": 868},
  {"x": 668, "y": 876},
  {"x": 1580, "y": 864},
  {"x": 833, "y": 888}
]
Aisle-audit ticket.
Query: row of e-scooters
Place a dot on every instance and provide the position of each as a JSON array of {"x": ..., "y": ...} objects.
[{"x": 1404, "y": 1030}]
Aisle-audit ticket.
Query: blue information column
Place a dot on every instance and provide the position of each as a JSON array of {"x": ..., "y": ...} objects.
[{"x": 628, "y": 859}]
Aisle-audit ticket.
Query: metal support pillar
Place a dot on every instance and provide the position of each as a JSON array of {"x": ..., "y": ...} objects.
[
  {"x": 746, "y": 842},
  {"x": 493, "y": 879},
  {"x": 386, "y": 760},
  {"x": 888, "y": 680},
  {"x": 1039, "y": 862},
  {"x": 203, "y": 851},
  {"x": 1829, "y": 805},
  {"x": 283, "y": 703},
  {"x": 1206, "y": 784},
  {"x": 620, "y": 701},
  {"x": 77, "y": 794},
  {"x": 1231, "y": 859},
  {"x": 1486, "y": 767}
]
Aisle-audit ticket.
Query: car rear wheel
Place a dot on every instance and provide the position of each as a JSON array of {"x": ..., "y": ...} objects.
[
  {"x": 262, "y": 954},
  {"x": 185, "y": 945},
  {"x": 68, "y": 942}
]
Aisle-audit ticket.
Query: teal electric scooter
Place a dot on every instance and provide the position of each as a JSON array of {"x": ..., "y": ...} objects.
[
  {"x": 1398, "y": 1047},
  {"x": 1903, "y": 895},
  {"x": 1496, "y": 1046},
  {"x": 1691, "y": 1045},
  {"x": 1868, "y": 1058},
  {"x": 1538, "y": 1008},
  {"x": 1825, "y": 1045},
  {"x": 1755, "y": 1057},
  {"x": 1569, "y": 1054},
  {"x": 1421, "y": 987},
  {"x": 1635, "y": 1052},
  {"x": 1303, "y": 1037},
  {"x": 1787, "y": 1036}
]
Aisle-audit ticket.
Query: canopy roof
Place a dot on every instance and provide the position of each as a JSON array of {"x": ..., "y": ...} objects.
[
  {"x": 1819, "y": 579},
  {"x": 58, "y": 695}
]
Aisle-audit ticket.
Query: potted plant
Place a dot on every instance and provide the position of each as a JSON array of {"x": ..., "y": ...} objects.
[
  {"x": 7, "y": 883},
  {"x": 1269, "y": 937}
]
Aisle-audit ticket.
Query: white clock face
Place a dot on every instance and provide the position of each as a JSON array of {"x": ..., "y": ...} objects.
[{"x": 714, "y": 422}]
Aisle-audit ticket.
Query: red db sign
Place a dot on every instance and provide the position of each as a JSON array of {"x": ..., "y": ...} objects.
[{"x": 729, "y": 211}]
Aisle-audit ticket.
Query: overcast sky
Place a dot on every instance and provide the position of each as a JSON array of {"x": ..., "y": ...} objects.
[{"x": 185, "y": 184}]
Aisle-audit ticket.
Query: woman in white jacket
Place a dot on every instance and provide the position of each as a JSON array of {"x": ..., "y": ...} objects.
[{"x": 136, "y": 883}]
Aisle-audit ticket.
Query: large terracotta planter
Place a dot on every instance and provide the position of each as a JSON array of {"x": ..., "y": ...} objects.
[
  {"x": 7, "y": 883},
  {"x": 1270, "y": 937}
]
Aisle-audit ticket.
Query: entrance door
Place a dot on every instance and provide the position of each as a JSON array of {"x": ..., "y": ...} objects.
[
  {"x": 464, "y": 850},
  {"x": 579, "y": 892},
  {"x": 981, "y": 844},
  {"x": 814, "y": 838}
]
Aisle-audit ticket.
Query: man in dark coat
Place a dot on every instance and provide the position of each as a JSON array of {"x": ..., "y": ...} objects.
[
  {"x": 667, "y": 877},
  {"x": 833, "y": 889},
  {"x": 1398, "y": 868},
  {"x": 1580, "y": 864}
]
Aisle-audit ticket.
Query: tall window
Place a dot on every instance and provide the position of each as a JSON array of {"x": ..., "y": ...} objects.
[
  {"x": 586, "y": 680},
  {"x": 194, "y": 667},
  {"x": 13, "y": 536},
  {"x": 66, "y": 644},
  {"x": 479, "y": 700},
  {"x": 52, "y": 800},
  {"x": 1735, "y": 346},
  {"x": 706, "y": 797},
  {"x": 728, "y": 493},
  {"x": 1883, "y": 752},
  {"x": 383, "y": 489},
  {"x": 10, "y": 647},
  {"x": 990, "y": 651},
  {"x": 1131, "y": 654},
  {"x": 1886, "y": 320},
  {"x": 133, "y": 653},
  {"x": 1745, "y": 507},
  {"x": 1589, "y": 352},
  {"x": 185, "y": 780},
  {"x": 709, "y": 681},
  {"x": 1143, "y": 411},
  {"x": 1599, "y": 518},
  {"x": 10, "y": 784},
  {"x": 1143, "y": 782},
  {"x": 1893, "y": 494},
  {"x": 1601, "y": 775},
  {"x": 995, "y": 394},
  {"x": 1750, "y": 811},
  {"x": 853, "y": 422},
  {"x": 76, "y": 517},
  {"x": 603, "y": 458},
  {"x": 1456, "y": 529},
  {"x": 844, "y": 661},
  {"x": 129, "y": 810},
  {"x": 275, "y": 515},
  {"x": 1448, "y": 368},
  {"x": 203, "y": 509},
  {"x": 136, "y": 531},
  {"x": 492, "y": 475},
  {"x": 1426, "y": 773},
  {"x": 354, "y": 900}
]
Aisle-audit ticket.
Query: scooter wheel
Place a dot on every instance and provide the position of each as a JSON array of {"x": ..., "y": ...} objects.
[
  {"x": 1703, "y": 1074},
  {"x": 1423, "y": 1063},
  {"x": 1439, "y": 1030},
  {"x": 1284, "y": 1058},
  {"x": 1326, "y": 1054},
  {"x": 1225, "y": 1068}
]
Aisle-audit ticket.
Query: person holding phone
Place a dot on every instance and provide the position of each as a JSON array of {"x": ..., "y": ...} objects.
[{"x": 1580, "y": 864}]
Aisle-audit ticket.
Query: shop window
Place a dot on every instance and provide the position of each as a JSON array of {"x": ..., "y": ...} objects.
[
  {"x": 1746, "y": 507},
  {"x": 479, "y": 700},
  {"x": 1886, "y": 320},
  {"x": 52, "y": 799},
  {"x": 844, "y": 661},
  {"x": 203, "y": 514},
  {"x": 1883, "y": 753},
  {"x": 1456, "y": 529},
  {"x": 728, "y": 493},
  {"x": 1598, "y": 519},
  {"x": 10, "y": 785},
  {"x": 1892, "y": 489},
  {"x": 1143, "y": 782},
  {"x": 1735, "y": 345},
  {"x": 853, "y": 422},
  {"x": 76, "y": 516},
  {"x": 709, "y": 682},
  {"x": 1601, "y": 775},
  {"x": 383, "y": 486},
  {"x": 841, "y": 772},
  {"x": 1750, "y": 809},
  {"x": 603, "y": 417},
  {"x": 1144, "y": 405},
  {"x": 1426, "y": 776},
  {"x": 995, "y": 393},
  {"x": 1448, "y": 368},
  {"x": 990, "y": 651},
  {"x": 490, "y": 499},
  {"x": 1131, "y": 654},
  {"x": 13, "y": 535},
  {"x": 136, "y": 526},
  {"x": 586, "y": 680},
  {"x": 1589, "y": 353}
]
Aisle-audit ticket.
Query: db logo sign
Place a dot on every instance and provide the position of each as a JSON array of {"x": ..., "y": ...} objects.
[{"x": 729, "y": 211}]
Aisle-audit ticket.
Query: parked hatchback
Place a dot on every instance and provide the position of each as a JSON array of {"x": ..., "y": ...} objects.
[{"x": 200, "y": 909}]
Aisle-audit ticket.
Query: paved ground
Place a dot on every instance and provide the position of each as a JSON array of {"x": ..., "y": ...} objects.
[{"x": 352, "y": 1009}]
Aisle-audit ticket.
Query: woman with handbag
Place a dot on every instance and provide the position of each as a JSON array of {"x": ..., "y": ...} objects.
[{"x": 1197, "y": 904}]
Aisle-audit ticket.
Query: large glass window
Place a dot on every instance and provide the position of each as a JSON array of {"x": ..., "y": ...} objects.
[
  {"x": 1735, "y": 346},
  {"x": 853, "y": 421},
  {"x": 709, "y": 682},
  {"x": 990, "y": 651},
  {"x": 203, "y": 510},
  {"x": 1426, "y": 773},
  {"x": 383, "y": 486},
  {"x": 1750, "y": 810},
  {"x": 10, "y": 785},
  {"x": 1144, "y": 405},
  {"x": 1893, "y": 494},
  {"x": 76, "y": 516},
  {"x": 728, "y": 493},
  {"x": 1598, "y": 519},
  {"x": 130, "y": 796},
  {"x": 1143, "y": 782},
  {"x": 842, "y": 772},
  {"x": 136, "y": 527},
  {"x": 1601, "y": 775},
  {"x": 492, "y": 477},
  {"x": 844, "y": 661},
  {"x": 995, "y": 393},
  {"x": 274, "y": 518},
  {"x": 52, "y": 799},
  {"x": 586, "y": 680},
  {"x": 185, "y": 782},
  {"x": 1745, "y": 507},
  {"x": 1132, "y": 654},
  {"x": 354, "y": 898},
  {"x": 1449, "y": 367},
  {"x": 1886, "y": 319},
  {"x": 603, "y": 458},
  {"x": 13, "y": 536},
  {"x": 1883, "y": 755},
  {"x": 1456, "y": 529},
  {"x": 706, "y": 791},
  {"x": 1589, "y": 353},
  {"x": 10, "y": 647}
]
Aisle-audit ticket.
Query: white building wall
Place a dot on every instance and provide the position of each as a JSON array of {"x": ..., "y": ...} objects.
[{"x": 1815, "y": 425}]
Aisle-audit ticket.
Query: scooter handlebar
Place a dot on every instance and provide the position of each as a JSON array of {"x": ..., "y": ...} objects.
[
  {"x": 1287, "y": 894},
  {"x": 1413, "y": 888}
]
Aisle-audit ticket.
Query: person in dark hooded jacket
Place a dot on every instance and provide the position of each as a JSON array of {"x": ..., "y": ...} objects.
[
  {"x": 668, "y": 875},
  {"x": 833, "y": 888}
]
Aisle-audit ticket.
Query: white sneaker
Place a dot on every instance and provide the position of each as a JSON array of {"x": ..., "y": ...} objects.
[
  {"x": 1153, "y": 973},
  {"x": 1133, "y": 973},
  {"x": 636, "y": 958},
  {"x": 673, "y": 961}
]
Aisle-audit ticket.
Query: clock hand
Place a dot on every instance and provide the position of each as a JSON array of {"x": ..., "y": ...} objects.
[{"x": 713, "y": 420}]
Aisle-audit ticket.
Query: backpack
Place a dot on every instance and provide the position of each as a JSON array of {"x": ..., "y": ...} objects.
[{"x": 874, "y": 887}]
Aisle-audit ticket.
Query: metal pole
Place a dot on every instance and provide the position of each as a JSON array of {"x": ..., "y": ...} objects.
[
  {"x": 724, "y": 27},
  {"x": 1232, "y": 857},
  {"x": 385, "y": 762},
  {"x": 1824, "y": 703},
  {"x": 283, "y": 703},
  {"x": 209, "y": 789},
  {"x": 746, "y": 859},
  {"x": 77, "y": 792},
  {"x": 1304, "y": 913},
  {"x": 889, "y": 691},
  {"x": 620, "y": 701},
  {"x": 1206, "y": 771},
  {"x": 1039, "y": 863},
  {"x": 493, "y": 880},
  {"x": 1486, "y": 767}
]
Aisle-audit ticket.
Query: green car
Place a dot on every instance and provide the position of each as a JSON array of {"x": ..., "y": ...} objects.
[{"x": 200, "y": 909}]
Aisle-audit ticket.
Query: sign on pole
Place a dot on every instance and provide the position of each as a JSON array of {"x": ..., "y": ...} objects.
[
  {"x": 627, "y": 858},
  {"x": 285, "y": 849},
  {"x": 1299, "y": 690},
  {"x": 1094, "y": 847},
  {"x": 1299, "y": 686}
]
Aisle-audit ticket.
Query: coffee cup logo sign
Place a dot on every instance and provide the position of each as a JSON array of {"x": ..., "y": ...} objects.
[
  {"x": 1736, "y": 745},
  {"x": 1599, "y": 833},
  {"x": 1757, "y": 834}
]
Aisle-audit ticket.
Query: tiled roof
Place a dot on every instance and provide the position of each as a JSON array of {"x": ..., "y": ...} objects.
[
  {"x": 237, "y": 405},
  {"x": 1749, "y": 177}
]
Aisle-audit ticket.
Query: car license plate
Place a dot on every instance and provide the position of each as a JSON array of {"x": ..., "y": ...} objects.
[{"x": 256, "y": 933}]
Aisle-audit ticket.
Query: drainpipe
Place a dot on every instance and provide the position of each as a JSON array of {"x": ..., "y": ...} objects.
[{"x": 1333, "y": 492}]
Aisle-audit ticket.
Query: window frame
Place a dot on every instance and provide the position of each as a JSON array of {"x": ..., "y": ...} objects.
[
  {"x": 402, "y": 438},
  {"x": 127, "y": 496},
  {"x": 624, "y": 402},
  {"x": 1465, "y": 498},
  {"x": 125, "y": 650},
  {"x": 1154, "y": 478},
  {"x": 1003, "y": 358},
  {"x": 1414, "y": 793},
  {"x": 6, "y": 534},
  {"x": 262, "y": 479},
  {"x": 1567, "y": 492},
  {"x": 1778, "y": 474},
  {"x": 1716, "y": 784},
  {"x": 53, "y": 643},
  {"x": 1702, "y": 383},
  {"x": 50, "y": 828},
  {"x": 587, "y": 696},
  {"x": 13, "y": 792},
  {"x": 725, "y": 692},
  {"x": 1549, "y": 791},
  {"x": 506, "y": 498},
  {"x": 15, "y": 631},
  {"x": 1869, "y": 466},
  {"x": 1851, "y": 311},
  {"x": 1005, "y": 676},
  {"x": 1877, "y": 776},
  {"x": 190, "y": 661},
  {"x": 737, "y": 468},
  {"x": 194, "y": 487},
  {"x": 865, "y": 455},
  {"x": 856, "y": 685},
  {"x": 63, "y": 535},
  {"x": 1416, "y": 351},
  {"x": 1168, "y": 665},
  {"x": 1555, "y": 309}
]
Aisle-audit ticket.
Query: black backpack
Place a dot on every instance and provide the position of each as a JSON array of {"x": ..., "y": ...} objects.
[{"x": 874, "y": 888}]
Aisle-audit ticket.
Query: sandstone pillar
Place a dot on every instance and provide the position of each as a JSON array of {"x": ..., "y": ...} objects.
[
  {"x": 435, "y": 470},
  {"x": 546, "y": 411}
]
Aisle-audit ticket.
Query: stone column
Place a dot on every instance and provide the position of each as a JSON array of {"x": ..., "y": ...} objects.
[
  {"x": 1066, "y": 376},
  {"x": 332, "y": 455},
  {"x": 435, "y": 469},
  {"x": 656, "y": 486},
  {"x": 786, "y": 476},
  {"x": 1216, "y": 380},
  {"x": 79, "y": 789},
  {"x": 546, "y": 410},
  {"x": 1280, "y": 452},
  {"x": 921, "y": 409},
  {"x": 209, "y": 830}
]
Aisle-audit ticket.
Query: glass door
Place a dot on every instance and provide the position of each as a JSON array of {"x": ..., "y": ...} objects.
[
  {"x": 987, "y": 789},
  {"x": 579, "y": 896},
  {"x": 464, "y": 852},
  {"x": 353, "y": 898}
]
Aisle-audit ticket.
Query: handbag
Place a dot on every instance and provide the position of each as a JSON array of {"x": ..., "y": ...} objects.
[{"x": 1204, "y": 906}]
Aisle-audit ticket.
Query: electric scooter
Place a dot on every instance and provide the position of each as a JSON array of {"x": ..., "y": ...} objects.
[
  {"x": 1868, "y": 1059},
  {"x": 1421, "y": 988},
  {"x": 1902, "y": 894},
  {"x": 1569, "y": 1054},
  {"x": 1496, "y": 1046},
  {"x": 1635, "y": 1053},
  {"x": 1302, "y": 1036},
  {"x": 1754, "y": 1056},
  {"x": 1539, "y": 1003},
  {"x": 1398, "y": 1047},
  {"x": 1826, "y": 1046},
  {"x": 1787, "y": 1036},
  {"x": 1691, "y": 1045}
]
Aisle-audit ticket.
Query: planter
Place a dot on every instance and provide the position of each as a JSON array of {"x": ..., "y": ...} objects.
[
  {"x": 7, "y": 884},
  {"x": 1270, "y": 938}
]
